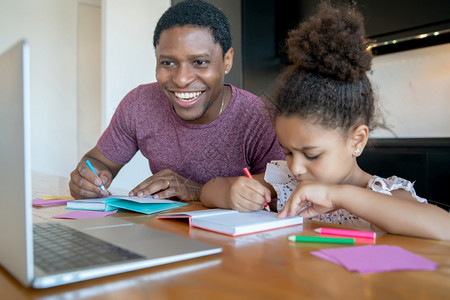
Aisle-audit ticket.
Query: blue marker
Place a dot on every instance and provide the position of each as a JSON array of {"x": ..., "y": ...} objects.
[{"x": 93, "y": 171}]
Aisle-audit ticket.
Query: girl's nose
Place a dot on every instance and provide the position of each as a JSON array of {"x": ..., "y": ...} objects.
[{"x": 297, "y": 166}]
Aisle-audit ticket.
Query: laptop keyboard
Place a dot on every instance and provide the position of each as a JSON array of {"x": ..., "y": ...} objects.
[{"x": 59, "y": 248}]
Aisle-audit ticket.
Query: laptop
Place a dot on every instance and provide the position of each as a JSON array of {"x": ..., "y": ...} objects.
[{"x": 124, "y": 246}]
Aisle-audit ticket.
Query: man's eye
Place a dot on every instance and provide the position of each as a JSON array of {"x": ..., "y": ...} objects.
[
  {"x": 201, "y": 62},
  {"x": 167, "y": 63}
]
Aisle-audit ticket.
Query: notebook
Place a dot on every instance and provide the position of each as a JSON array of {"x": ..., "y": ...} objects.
[
  {"x": 139, "y": 246},
  {"x": 147, "y": 205},
  {"x": 235, "y": 223}
]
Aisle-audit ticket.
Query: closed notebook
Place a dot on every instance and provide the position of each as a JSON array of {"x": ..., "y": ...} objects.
[
  {"x": 234, "y": 223},
  {"x": 97, "y": 204},
  {"x": 147, "y": 205}
]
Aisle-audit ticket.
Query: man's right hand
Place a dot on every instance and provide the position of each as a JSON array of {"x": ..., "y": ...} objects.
[{"x": 85, "y": 184}]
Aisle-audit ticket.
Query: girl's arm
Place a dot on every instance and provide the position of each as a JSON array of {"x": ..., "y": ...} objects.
[
  {"x": 238, "y": 193},
  {"x": 397, "y": 214}
]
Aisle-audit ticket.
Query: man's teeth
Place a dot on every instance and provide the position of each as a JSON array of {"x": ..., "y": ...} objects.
[{"x": 187, "y": 96}]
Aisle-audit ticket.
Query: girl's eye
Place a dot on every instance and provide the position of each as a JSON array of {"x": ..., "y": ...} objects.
[{"x": 312, "y": 157}]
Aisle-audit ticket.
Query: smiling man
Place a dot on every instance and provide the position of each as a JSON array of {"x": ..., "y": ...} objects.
[{"x": 190, "y": 125}]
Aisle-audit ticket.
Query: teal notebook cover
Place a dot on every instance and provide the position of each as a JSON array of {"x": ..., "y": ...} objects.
[{"x": 144, "y": 208}]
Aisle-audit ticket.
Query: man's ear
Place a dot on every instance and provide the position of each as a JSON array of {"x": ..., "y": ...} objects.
[
  {"x": 358, "y": 139},
  {"x": 228, "y": 60}
]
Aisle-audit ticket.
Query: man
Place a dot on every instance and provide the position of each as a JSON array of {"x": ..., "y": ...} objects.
[{"x": 189, "y": 125}]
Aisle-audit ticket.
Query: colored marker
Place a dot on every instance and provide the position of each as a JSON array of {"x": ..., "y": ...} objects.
[
  {"x": 57, "y": 197},
  {"x": 93, "y": 171},
  {"x": 249, "y": 175},
  {"x": 319, "y": 239},
  {"x": 346, "y": 232}
]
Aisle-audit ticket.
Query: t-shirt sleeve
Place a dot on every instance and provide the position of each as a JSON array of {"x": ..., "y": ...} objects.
[
  {"x": 118, "y": 142},
  {"x": 263, "y": 143},
  {"x": 268, "y": 149}
]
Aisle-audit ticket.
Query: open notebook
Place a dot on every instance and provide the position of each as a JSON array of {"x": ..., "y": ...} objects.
[
  {"x": 129, "y": 246},
  {"x": 234, "y": 223}
]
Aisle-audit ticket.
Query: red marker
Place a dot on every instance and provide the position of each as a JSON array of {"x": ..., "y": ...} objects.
[{"x": 249, "y": 175}]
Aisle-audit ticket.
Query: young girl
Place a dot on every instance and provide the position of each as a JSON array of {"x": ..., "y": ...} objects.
[{"x": 324, "y": 110}]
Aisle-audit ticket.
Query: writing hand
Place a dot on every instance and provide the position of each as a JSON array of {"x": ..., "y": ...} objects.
[
  {"x": 248, "y": 195},
  {"x": 167, "y": 184},
  {"x": 85, "y": 184}
]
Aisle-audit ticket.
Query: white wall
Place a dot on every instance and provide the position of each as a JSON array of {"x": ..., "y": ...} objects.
[
  {"x": 414, "y": 91},
  {"x": 128, "y": 60},
  {"x": 89, "y": 66},
  {"x": 50, "y": 28}
]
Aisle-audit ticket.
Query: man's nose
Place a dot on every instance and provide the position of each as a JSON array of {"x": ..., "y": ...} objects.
[{"x": 183, "y": 76}]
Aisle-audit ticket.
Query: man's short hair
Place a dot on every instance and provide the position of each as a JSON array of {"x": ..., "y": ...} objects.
[{"x": 196, "y": 13}]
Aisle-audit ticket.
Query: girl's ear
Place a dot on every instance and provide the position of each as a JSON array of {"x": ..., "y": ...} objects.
[{"x": 358, "y": 139}]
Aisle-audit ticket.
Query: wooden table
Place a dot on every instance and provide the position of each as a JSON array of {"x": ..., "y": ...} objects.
[{"x": 257, "y": 266}]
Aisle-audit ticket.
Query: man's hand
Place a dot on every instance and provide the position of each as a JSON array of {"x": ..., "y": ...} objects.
[
  {"x": 167, "y": 184},
  {"x": 85, "y": 184}
]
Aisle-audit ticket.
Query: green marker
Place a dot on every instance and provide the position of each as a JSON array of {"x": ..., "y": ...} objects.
[{"x": 319, "y": 239}]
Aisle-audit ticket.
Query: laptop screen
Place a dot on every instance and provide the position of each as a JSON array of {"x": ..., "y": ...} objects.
[{"x": 15, "y": 169}]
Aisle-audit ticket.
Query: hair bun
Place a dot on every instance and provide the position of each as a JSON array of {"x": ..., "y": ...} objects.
[{"x": 331, "y": 43}]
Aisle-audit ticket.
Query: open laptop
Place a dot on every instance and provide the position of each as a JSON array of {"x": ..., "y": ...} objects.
[{"x": 139, "y": 246}]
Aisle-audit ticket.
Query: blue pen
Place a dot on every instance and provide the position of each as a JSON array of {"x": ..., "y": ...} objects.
[{"x": 93, "y": 171}]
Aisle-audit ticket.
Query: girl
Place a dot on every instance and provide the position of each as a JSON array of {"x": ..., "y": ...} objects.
[{"x": 324, "y": 110}]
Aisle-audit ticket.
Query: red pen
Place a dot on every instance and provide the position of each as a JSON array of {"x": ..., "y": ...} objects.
[{"x": 249, "y": 175}]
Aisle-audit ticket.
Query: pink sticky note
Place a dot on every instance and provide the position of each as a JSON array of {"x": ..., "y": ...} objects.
[
  {"x": 84, "y": 214},
  {"x": 378, "y": 258},
  {"x": 44, "y": 202}
]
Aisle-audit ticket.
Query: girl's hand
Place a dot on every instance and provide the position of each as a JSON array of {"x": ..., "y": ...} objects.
[
  {"x": 317, "y": 194},
  {"x": 248, "y": 194}
]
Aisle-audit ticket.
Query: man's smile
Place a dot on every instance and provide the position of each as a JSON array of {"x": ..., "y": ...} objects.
[{"x": 187, "y": 97}]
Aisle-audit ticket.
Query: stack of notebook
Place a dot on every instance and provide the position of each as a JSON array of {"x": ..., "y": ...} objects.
[{"x": 147, "y": 205}]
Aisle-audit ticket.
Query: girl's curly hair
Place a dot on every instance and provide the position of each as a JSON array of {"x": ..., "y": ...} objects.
[{"x": 327, "y": 79}]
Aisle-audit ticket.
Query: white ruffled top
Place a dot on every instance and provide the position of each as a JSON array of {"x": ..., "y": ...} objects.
[{"x": 284, "y": 183}]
